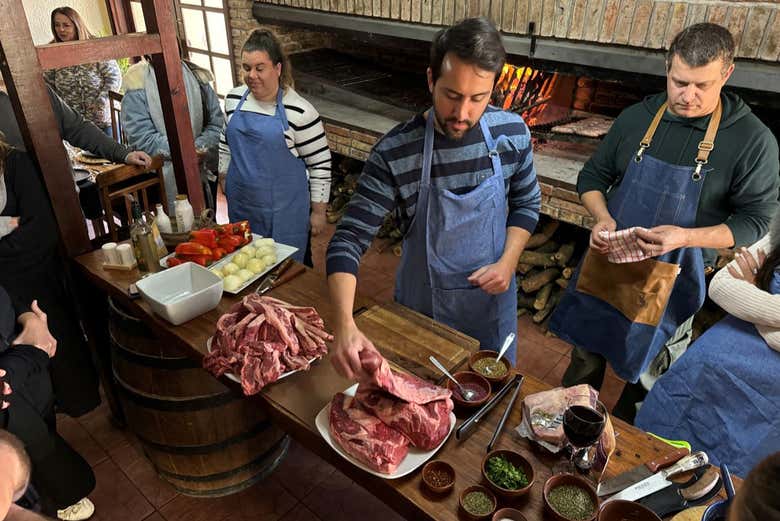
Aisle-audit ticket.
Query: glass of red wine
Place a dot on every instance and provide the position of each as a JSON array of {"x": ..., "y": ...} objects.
[{"x": 583, "y": 426}]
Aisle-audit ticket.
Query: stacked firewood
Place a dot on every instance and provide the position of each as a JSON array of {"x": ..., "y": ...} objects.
[{"x": 544, "y": 270}]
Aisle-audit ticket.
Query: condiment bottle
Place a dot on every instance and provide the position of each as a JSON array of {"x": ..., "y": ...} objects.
[
  {"x": 151, "y": 220},
  {"x": 143, "y": 242},
  {"x": 185, "y": 217},
  {"x": 163, "y": 221}
]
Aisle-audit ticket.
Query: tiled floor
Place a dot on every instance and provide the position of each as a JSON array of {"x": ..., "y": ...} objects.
[{"x": 304, "y": 487}]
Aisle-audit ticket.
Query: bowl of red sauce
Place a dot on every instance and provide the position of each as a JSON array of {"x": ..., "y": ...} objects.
[{"x": 472, "y": 381}]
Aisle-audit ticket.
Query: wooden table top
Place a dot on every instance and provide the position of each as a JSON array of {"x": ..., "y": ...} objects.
[{"x": 295, "y": 402}]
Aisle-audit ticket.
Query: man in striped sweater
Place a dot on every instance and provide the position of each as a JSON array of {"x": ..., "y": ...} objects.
[{"x": 461, "y": 176}]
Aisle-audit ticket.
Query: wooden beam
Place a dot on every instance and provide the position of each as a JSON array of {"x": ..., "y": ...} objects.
[
  {"x": 65, "y": 54},
  {"x": 39, "y": 127},
  {"x": 173, "y": 98},
  {"x": 117, "y": 13}
]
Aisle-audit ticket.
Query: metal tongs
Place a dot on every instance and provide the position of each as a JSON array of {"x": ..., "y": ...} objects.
[
  {"x": 467, "y": 426},
  {"x": 270, "y": 279}
]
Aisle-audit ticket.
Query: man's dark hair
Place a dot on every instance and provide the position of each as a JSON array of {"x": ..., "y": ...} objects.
[
  {"x": 758, "y": 499},
  {"x": 473, "y": 40},
  {"x": 701, "y": 44}
]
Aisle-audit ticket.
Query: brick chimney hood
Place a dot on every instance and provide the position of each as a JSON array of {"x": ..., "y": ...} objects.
[{"x": 621, "y": 35}]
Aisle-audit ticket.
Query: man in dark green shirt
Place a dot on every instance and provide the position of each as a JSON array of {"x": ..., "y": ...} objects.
[{"x": 738, "y": 197}]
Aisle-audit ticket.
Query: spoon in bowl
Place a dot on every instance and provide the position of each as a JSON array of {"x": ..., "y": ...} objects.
[
  {"x": 507, "y": 342},
  {"x": 467, "y": 394}
]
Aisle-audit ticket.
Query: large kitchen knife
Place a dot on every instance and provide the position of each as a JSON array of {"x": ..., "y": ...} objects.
[
  {"x": 638, "y": 473},
  {"x": 660, "y": 480}
]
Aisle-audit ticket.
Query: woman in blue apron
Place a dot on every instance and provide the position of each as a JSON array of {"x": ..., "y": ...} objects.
[
  {"x": 267, "y": 179},
  {"x": 450, "y": 237},
  {"x": 627, "y": 312}
]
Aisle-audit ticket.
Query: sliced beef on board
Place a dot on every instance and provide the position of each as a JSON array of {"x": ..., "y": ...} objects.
[
  {"x": 418, "y": 409},
  {"x": 261, "y": 338},
  {"x": 364, "y": 437}
]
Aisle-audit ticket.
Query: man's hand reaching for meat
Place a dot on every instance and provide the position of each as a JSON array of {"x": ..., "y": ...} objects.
[{"x": 349, "y": 346}]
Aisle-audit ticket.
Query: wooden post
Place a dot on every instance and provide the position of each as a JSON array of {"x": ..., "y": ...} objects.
[
  {"x": 167, "y": 68},
  {"x": 26, "y": 88},
  {"x": 117, "y": 13}
]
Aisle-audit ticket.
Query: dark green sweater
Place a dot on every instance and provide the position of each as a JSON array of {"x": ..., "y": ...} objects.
[{"x": 742, "y": 177}]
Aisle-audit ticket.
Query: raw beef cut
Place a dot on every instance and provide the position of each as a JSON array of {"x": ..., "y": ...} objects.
[
  {"x": 260, "y": 338},
  {"x": 364, "y": 437},
  {"x": 418, "y": 409},
  {"x": 544, "y": 410}
]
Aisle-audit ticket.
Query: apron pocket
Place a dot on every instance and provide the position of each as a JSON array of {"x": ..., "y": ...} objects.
[
  {"x": 471, "y": 311},
  {"x": 639, "y": 290}
]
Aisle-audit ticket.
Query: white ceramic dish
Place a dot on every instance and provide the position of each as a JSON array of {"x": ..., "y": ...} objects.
[
  {"x": 413, "y": 460},
  {"x": 236, "y": 379},
  {"x": 282, "y": 252},
  {"x": 181, "y": 293}
]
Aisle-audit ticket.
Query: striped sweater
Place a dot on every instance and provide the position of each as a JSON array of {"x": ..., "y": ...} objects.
[
  {"x": 391, "y": 180},
  {"x": 305, "y": 136}
]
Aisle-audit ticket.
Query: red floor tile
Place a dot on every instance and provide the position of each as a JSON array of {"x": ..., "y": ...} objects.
[
  {"x": 81, "y": 441},
  {"x": 338, "y": 498},
  {"x": 534, "y": 359},
  {"x": 155, "y": 517},
  {"x": 302, "y": 470},
  {"x": 553, "y": 378},
  {"x": 143, "y": 475},
  {"x": 115, "y": 497},
  {"x": 100, "y": 427},
  {"x": 300, "y": 513}
]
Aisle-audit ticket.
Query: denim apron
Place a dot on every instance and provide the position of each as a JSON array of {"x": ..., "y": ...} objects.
[
  {"x": 627, "y": 312},
  {"x": 450, "y": 237},
  {"x": 266, "y": 184},
  {"x": 722, "y": 396}
]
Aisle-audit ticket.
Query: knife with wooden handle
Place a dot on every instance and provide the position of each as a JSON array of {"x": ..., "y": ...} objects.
[
  {"x": 638, "y": 473},
  {"x": 286, "y": 277},
  {"x": 701, "y": 488}
]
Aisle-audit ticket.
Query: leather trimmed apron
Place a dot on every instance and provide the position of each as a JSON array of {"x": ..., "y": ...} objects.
[
  {"x": 627, "y": 312},
  {"x": 266, "y": 184},
  {"x": 450, "y": 237}
]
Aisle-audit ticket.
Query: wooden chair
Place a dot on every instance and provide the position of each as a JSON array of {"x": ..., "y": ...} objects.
[
  {"x": 123, "y": 180},
  {"x": 115, "y": 106}
]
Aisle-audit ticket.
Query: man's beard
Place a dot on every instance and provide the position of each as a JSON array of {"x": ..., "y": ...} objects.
[{"x": 450, "y": 133}]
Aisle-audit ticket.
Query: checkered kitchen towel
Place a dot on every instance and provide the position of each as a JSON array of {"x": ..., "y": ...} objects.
[{"x": 623, "y": 245}]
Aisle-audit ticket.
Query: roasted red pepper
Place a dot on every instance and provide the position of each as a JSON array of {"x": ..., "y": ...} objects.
[
  {"x": 173, "y": 261},
  {"x": 206, "y": 237},
  {"x": 230, "y": 242},
  {"x": 192, "y": 248},
  {"x": 217, "y": 253},
  {"x": 203, "y": 260}
]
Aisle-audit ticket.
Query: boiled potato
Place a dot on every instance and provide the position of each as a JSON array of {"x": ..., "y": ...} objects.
[
  {"x": 264, "y": 250},
  {"x": 269, "y": 259},
  {"x": 230, "y": 268},
  {"x": 218, "y": 273},
  {"x": 249, "y": 250},
  {"x": 244, "y": 275},
  {"x": 255, "y": 265},
  {"x": 239, "y": 259},
  {"x": 259, "y": 243},
  {"x": 232, "y": 283}
]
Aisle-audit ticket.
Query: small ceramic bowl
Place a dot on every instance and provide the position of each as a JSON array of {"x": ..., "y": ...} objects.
[
  {"x": 441, "y": 468},
  {"x": 508, "y": 514},
  {"x": 488, "y": 493},
  {"x": 620, "y": 509},
  {"x": 718, "y": 511},
  {"x": 470, "y": 380},
  {"x": 494, "y": 380},
  {"x": 569, "y": 479},
  {"x": 516, "y": 459}
]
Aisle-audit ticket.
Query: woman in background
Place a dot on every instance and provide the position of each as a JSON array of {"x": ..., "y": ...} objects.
[
  {"x": 722, "y": 395},
  {"x": 274, "y": 160},
  {"x": 84, "y": 87}
]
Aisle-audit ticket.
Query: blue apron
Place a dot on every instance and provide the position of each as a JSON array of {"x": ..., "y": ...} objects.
[
  {"x": 627, "y": 312},
  {"x": 266, "y": 184},
  {"x": 722, "y": 396},
  {"x": 450, "y": 237}
]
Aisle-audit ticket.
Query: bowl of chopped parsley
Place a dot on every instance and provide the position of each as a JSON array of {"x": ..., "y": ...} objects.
[
  {"x": 570, "y": 498},
  {"x": 508, "y": 473}
]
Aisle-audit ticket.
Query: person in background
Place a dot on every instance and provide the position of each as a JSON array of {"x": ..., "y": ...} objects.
[
  {"x": 84, "y": 87},
  {"x": 758, "y": 499},
  {"x": 30, "y": 269},
  {"x": 722, "y": 395},
  {"x": 693, "y": 169},
  {"x": 274, "y": 160},
  {"x": 463, "y": 178},
  {"x": 61, "y": 478},
  {"x": 144, "y": 124}
]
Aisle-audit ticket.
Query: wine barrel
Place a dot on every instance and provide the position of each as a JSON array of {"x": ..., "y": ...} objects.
[{"x": 202, "y": 437}]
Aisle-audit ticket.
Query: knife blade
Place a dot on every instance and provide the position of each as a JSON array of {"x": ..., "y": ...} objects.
[
  {"x": 269, "y": 279},
  {"x": 659, "y": 480},
  {"x": 640, "y": 472}
]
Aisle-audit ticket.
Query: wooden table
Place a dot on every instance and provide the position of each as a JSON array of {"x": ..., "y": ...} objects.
[{"x": 295, "y": 402}]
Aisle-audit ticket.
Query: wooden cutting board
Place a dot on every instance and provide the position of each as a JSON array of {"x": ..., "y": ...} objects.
[
  {"x": 690, "y": 514},
  {"x": 407, "y": 338}
]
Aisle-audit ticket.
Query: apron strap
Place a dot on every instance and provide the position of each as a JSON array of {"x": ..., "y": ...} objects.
[
  {"x": 425, "y": 179},
  {"x": 280, "y": 112},
  {"x": 645, "y": 143}
]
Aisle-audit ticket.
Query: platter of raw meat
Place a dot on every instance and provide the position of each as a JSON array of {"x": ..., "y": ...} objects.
[{"x": 388, "y": 424}]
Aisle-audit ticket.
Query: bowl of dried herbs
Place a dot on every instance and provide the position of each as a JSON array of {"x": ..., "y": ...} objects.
[
  {"x": 508, "y": 473},
  {"x": 478, "y": 502},
  {"x": 570, "y": 498}
]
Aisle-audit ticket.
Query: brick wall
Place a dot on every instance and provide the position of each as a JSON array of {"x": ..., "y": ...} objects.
[{"x": 640, "y": 23}]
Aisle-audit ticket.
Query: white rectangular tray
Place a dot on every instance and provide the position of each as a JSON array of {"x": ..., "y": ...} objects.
[
  {"x": 413, "y": 460},
  {"x": 282, "y": 252},
  {"x": 236, "y": 379}
]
